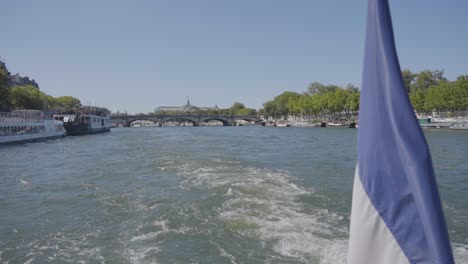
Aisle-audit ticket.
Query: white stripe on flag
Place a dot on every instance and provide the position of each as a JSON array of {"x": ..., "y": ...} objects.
[{"x": 370, "y": 239}]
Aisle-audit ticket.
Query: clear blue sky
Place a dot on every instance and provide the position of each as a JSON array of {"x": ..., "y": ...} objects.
[{"x": 138, "y": 55}]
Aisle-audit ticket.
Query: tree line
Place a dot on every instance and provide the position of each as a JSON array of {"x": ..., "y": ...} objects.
[
  {"x": 428, "y": 91},
  {"x": 30, "y": 97},
  {"x": 431, "y": 92},
  {"x": 320, "y": 101}
]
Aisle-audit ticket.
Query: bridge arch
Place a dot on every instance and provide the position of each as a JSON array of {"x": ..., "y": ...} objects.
[
  {"x": 131, "y": 121},
  {"x": 243, "y": 120},
  {"x": 224, "y": 121},
  {"x": 179, "y": 118}
]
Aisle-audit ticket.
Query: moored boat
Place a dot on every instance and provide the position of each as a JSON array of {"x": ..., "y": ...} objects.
[
  {"x": 29, "y": 125},
  {"x": 86, "y": 120},
  {"x": 282, "y": 124},
  {"x": 459, "y": 126}
]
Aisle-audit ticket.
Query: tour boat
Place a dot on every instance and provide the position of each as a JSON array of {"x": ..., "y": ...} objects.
[
  {"x": 87, "y": 120},
  {"x": 29, "y": 125}
]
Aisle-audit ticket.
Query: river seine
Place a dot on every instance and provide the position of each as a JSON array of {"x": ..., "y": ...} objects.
[{"x": 198, "y": 195}]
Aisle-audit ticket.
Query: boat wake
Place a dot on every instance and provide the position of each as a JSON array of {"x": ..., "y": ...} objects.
[{"x": 272, "y": 207}]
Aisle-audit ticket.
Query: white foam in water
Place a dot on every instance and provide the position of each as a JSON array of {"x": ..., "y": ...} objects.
[
  {"x": 65, "y": 248},
  {"x": 264, "y": 204},
  {"x": 139, "y": 254},
  {"x": 139, "y": 247},
  {"x": 282, "y": 219},
  {"x": 225, "y": 254},
  {"x": 29, "y": 261},
  {"x": 24, "y": 182},
  {"x": 461, "y": 253}
]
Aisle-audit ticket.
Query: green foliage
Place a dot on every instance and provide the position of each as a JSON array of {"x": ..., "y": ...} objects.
[
  {"x": 67, "y": 103},
  {"x": 320, "y": 100},
  {"x": 317, "y": 87},
  {"x": 240, "y": 109},
  {"x": 4, "y": 91},
  {"x": 352, "y": 102},
  {"x": 426, "y": 79},
  {"x": 428, "y": 91},
  {"x": 418, "y": 100},
  {"x": 29, "y": 97},
  {"x": 408, "y": 78},
  {"x": 236, "y": 107},
  {"x": 446, "y": 96}
]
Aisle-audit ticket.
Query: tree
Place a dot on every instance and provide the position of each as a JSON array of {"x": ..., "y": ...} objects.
[
  {"x": 437, "y": 97},
  {"x": 240, "y": 109},
  {"x": 336, "y": 101},
  {"x": 418, "y": 100},
  {"x": 246, "y": 111},
  {"x": 29, "y": 97},
  {"x": 4, "y": 91},
  {"x": 235, "y": 108},
  {"x": 315, "y": 87},
  {"x": 269, "y": 108},
  {"x": 261, "y": 112},
  {"x": 459, "y": 94},
  {"x": 351, "y": 88},
  {"x": 281, "y": 102},
  {"x": 426, "y": 79},
  {"x": 428, "y": 90},
  {"x": 408, "y": 79},
  {"x": 68, "y": 102},
  {"x": 352, "y": 100}
]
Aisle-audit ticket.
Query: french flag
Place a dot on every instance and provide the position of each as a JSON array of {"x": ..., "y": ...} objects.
[{"x": 396, "y": 214}]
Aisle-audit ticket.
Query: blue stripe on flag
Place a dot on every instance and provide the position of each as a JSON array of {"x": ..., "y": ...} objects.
[{"x": 394, "y": 161}]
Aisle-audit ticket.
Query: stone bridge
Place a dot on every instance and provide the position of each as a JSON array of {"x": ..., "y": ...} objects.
[{"x": 196, "y": 120}]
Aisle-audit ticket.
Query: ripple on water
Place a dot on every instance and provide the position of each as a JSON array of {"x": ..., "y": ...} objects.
[{"x": 58, "y": 247}]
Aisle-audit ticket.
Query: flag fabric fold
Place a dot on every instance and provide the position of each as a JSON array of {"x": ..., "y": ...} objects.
[{"x": 396, "y": 213}]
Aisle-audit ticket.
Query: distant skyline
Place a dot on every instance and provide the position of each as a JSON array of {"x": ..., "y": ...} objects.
[{"x": 138, "y": 55}]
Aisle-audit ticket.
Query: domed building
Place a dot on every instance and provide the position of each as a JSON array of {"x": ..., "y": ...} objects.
[{"x": 187, "y": 108}]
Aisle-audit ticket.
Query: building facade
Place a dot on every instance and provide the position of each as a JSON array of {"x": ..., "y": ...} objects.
[
  {"x": 16, "y": 79},
  {"x": 187, "y": 108}
]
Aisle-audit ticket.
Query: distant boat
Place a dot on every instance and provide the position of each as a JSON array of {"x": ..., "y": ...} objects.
[
  {"x": 283, "y": 125},
  {"x": 304, "y": 124},
  {"x": 445, "y": 123},
  {"x": 29, "y": 125},
  {"x": 332, "y": 124},
  {"x": 459, "y": 126}
]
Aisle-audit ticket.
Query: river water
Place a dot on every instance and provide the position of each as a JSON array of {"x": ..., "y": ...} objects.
[{"x": 198, "y": 195}]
